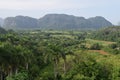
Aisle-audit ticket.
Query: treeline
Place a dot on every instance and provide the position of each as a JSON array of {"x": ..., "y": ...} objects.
[{"x": 107, "y": 34}]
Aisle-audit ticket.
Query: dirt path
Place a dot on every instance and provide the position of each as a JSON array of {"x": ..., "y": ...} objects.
[{"x": 99, "y": 51}]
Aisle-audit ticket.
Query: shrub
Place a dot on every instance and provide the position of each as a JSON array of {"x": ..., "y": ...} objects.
[
  {"x": 113, "y": 46},
  {"x": 96, "y": 46}
]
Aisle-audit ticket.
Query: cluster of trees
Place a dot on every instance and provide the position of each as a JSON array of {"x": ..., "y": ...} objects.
[
  {"x": 107, "y": 34},
  {"x": 87, "y": 68},
  {"x": 12, "y": 58},
  {"x": 24, "y": 55}
]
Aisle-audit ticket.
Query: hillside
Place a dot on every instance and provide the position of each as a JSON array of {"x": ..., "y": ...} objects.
[
  {"x": 108, "y": 34},
  {"x": 1, "y": 21},
  {"x": 56, "y": 21},
  {"x": 20, "y": 22},
  {"x": 63, "y": 21},
  {"x": 2, "y": 31},
  {"x": 99, "y": 22}
]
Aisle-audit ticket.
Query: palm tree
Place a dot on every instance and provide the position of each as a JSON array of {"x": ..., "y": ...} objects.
[
  {"x": 5, "y": 60},
  {"x": 23, "y": 56},
  {"x": 57, "y": 51}
]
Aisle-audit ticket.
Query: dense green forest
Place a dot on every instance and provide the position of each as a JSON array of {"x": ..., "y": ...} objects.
[
  {"x": 60, "y": 55},
  {"x": 107, "y": 34}
]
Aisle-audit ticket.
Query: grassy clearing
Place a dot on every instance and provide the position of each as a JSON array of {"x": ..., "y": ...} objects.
[{"x": 104, "y": 43}]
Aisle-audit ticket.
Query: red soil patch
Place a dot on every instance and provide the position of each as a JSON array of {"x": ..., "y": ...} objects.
[{"x": 99, "y": 51}]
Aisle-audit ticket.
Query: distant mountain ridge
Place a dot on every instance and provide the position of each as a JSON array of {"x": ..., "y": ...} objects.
[
  {"x": 1, "y": 22},
  {"x": 20, "y": 22},
  {"x": 56, "y": 21},
  {"x": 2, "y": 31},
  {"x": 99, "y": 22}
]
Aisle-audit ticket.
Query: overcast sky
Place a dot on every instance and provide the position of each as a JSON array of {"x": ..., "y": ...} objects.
[{"x": 110, "y": 9}]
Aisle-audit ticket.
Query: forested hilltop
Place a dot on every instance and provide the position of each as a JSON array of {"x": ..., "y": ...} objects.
[
  {"x": 56, "y": 22},
  {"x": 107, "y": 34},
  {"x": 58, "y": 55}
]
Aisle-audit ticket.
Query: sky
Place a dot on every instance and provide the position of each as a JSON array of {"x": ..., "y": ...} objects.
[{"x": 110, "y": 9}]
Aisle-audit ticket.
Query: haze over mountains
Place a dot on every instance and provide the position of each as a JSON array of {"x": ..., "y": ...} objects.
[
  {"x": 20, "y": 22},
  {"x": 56, "y": 21},
  {"x": 1, "y": 22}
]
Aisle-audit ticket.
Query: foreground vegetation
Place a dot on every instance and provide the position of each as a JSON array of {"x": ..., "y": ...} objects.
[{"x": 58, "y": 55}]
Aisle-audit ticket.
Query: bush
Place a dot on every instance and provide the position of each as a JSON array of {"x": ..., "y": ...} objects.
[
  {"x": 113, "y": 46},
  {"x": 115, "y": 51},
  {"x": 18, "y": 76},
  {"x": 96, "y": 46}
]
